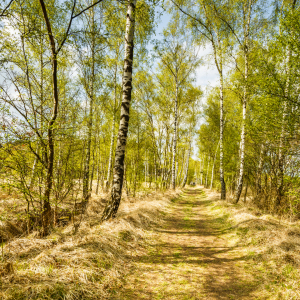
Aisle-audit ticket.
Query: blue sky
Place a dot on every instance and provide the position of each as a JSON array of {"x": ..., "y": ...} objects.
[{"x": 206, "y": 75}]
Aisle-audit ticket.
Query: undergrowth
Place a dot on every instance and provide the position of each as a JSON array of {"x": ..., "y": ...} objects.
[
  {"x": 89, "y": 265},
  {"x": 272, "y": 247}
]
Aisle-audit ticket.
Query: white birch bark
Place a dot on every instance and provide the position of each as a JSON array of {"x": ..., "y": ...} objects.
[
  {"x": 281, "y": 155},
  {"x": 222, "y": 180},
  {"x": 175, "y": 138},
  {"x": 213, "y": 167},
  {"x": 245, "y": 99},
  {"x": 201, "y": 172},
  {"x": 182, "y": 167},
  {"x": 111, "y": 209},
  {"x": 207, "y": 172},
  {"x": 90, "y": 91},
  {"x": 112, "y": 141},
  {"x": 187, "y": 165},
  {"x": 219, "y": 64}
]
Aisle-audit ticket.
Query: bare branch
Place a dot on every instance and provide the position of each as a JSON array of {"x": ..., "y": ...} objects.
[
  {"x": 6, "y": 8},
  {"x": 87, "y": 8}
]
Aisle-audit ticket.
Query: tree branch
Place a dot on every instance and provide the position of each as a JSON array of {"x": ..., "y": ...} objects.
[
  {"x": 6, "y": 8},
  {"x": 84, "y": 10}
]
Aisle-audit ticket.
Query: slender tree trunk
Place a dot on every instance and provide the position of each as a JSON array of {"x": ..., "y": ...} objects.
[
  {"x": 32, "y": 177},
  {"x": 134, "y": 180},
  {"x": 213, "y": 167},
  {"x": 246, "y": 190},
  {"x": 155, "y": 171},
  {"x": 201, "y": 172},
  {"x": 245, "y": 98},
  {"x": 187, "y": 165},
  {"x": 222, "y": 180},
  {"x": 98, "y": 179},
  {"x": 111, "y": 209},
  {"x": 112, "y": 141},
  {"x": 219, "y": 64},
  {"x": 125, "y": 179},
  {"x": 98, "y": 166},
  {"x": 86, "y": 172},
  {"x": 259, "y": 171},
  {"x": 182, "y": 167},
  {"x": 281, "y": 155},
  {"x": 136, "y": 165},
  {"x": 93, "y": 172},
  {"x": 86, "y": 188},
  {"x": 145, "y": 173},
  {"x": 207, "y": 171},
  {"x": 175, "y": 138},
  {"x": 242, "y": 155},
  {"x": 46, "y": 207}
]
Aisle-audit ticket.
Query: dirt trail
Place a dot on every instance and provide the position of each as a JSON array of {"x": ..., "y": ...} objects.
[{"x": 191, "y": 257}]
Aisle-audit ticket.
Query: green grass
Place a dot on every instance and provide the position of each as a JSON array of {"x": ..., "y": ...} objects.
[{"x": 176, "y": 254}]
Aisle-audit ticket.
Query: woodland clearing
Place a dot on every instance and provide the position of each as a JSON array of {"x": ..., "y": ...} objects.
[{"x": 108, "y": 109}]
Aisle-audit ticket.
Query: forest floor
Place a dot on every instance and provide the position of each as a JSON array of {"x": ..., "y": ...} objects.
[
  {"x": 183, "y": 244},
  {"x": 201, "y": 252}
]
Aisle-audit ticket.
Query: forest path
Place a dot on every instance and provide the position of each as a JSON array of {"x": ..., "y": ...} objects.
[{"x": 192, "y": 256}]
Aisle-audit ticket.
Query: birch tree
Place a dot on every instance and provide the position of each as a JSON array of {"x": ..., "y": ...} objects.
[
  {"x": 204, "y": 22},
  {"x": 116, "y": 192},
  {"x": 56, "y": 47},
  {"x": 178, "y": 56},
  {"x": 240, "y": 21}
]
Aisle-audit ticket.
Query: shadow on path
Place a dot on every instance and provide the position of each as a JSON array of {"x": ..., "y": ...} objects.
[{"x": 191, "y": 257}]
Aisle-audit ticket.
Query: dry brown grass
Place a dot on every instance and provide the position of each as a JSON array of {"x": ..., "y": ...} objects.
[
  {"x": 272, "y": 244},
  {"x": 88, "y": 265}
]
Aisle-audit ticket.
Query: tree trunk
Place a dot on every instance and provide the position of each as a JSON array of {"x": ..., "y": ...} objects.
[
  {"x": 222, "y": 180},
  {"x": 46, "y": 207},
  {"x": 219, "y": 65},
  {"x": 213, "y": 167},
  {"x": 281, "y": 155},
  {"x": 201, "y": 171},
  {"x": 187, "y": 165},
  {"x": 175, "y": 138},
  {"x": 242, "y": 154},
  {"x": 92, "y": 173},
  {"x": 136, "y": 165},
  {"x": 145, "y": 172},
  {"x": 86, "y": 172},
  {"x": 134, "y": 180},
  {"x": 112, "y": 141},
  {"x": 182, "y": 167},
  {"x": 98, "y": 178},
  {"x": 207, "y": 171},
  {"x": 86, "y": 189},
  {"x": 246, "y": 190},
  {"x": 32, "y": 177},
  {"x": 245, "y": 98},
  {"x": 155, "y": 171},
  {"x": 111, "y": 209},
  {"x": 259, "y": 171}
]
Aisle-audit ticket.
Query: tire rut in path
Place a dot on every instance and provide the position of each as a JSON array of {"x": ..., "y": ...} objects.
[{"x": 191, "y": 257}]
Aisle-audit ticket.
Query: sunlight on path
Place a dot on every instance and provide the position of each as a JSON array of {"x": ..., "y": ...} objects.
[{"x": 191, "y": 257}]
